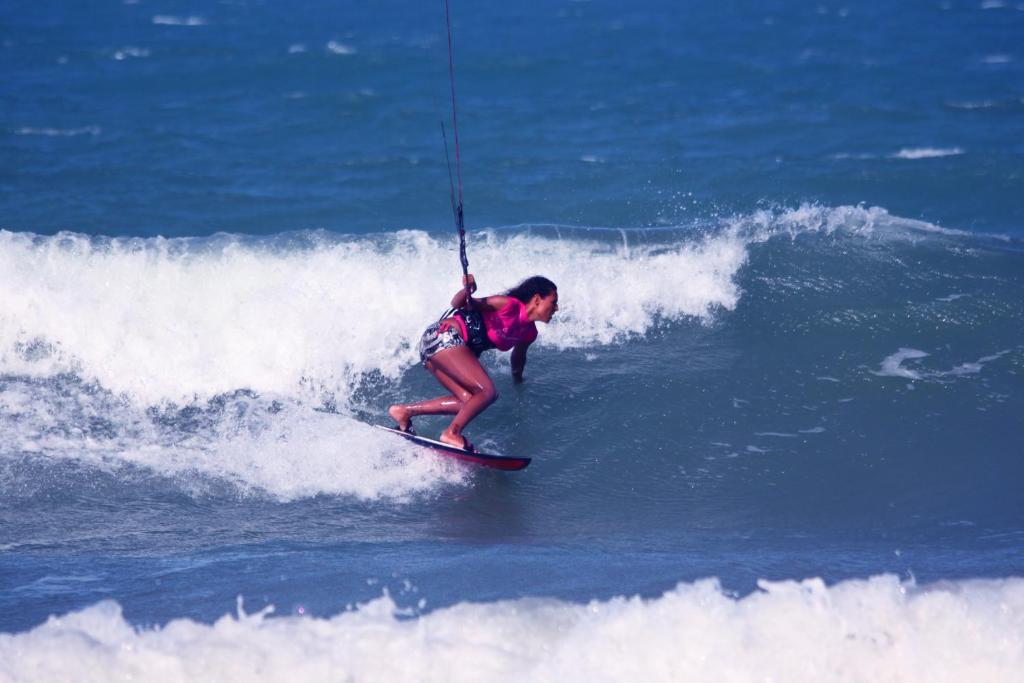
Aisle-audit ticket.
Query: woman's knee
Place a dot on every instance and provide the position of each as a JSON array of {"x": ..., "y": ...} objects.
[{"x": 489, "y": 393}]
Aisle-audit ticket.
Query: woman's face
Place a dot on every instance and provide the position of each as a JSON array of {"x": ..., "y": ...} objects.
[{"x": 544, "y": 306}]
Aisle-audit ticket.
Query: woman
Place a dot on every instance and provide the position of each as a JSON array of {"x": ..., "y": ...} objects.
[{"x": 450, "y": 350}]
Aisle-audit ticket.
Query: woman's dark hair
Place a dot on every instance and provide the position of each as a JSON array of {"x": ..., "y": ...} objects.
[{"x": 525, "y": 290}]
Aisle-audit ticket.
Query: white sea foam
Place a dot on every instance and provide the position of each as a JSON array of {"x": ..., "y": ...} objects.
[
  {"x": 969, "y": 104},
  {"x": 174, "y": 320},
  {"x": 337, "y": 48},
  {"x": 168, "y": 20},
  {"x": 927, "y": 152},
  {"x": 851, "y": 155},
  {"x": 59, "y": 132},
  {"x": 300, "y": 455},
  {"x": 130, "y": 53},
  {"x": 279, "y": 449},
  {"x": 873, "y": 221},
  {"x": 858, "y": 630},
  {"x": 917, "y": 152},
  {"x": 974, "y": 367},
  {"x": 892, "y": 366}
]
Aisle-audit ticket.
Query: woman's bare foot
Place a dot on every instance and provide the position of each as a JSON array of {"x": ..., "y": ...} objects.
[
  {"x": 458, "y": 440},
  {"x": 402, "y": 416}
]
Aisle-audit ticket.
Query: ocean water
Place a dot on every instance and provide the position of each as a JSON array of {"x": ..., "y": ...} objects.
[{"x": 776, "y": 426}]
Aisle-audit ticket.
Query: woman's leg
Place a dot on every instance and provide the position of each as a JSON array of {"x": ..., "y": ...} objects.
[
  {"x": 436, "y": 339},
  {"x": 449, "y": 404},
  {"x": 442, "y": 405},
  {"x": 459, "y": 371}
]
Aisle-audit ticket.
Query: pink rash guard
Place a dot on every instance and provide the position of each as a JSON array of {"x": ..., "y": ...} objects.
[
  {"x": 505, "y": 327},
  {"x": 509, "y": 325}
]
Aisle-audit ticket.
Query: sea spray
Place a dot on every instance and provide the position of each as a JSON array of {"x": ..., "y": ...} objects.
[
  {"x": 873, "y": 629},
  {"x": 175, "y": 320}
]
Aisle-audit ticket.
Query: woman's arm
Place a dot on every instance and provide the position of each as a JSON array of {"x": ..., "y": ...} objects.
[
  {"x": 461, "y": 296},
  {"x": 491, "y": 303},
  {"x": 519, "y": 360}
]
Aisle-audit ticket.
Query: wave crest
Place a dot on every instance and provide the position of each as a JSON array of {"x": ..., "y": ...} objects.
[
  {"x": 173, "y": 320},
  {"x": 793, "y": 631}
]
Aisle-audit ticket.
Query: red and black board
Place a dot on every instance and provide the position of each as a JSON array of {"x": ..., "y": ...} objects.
[{"x": 499, "y": 462}]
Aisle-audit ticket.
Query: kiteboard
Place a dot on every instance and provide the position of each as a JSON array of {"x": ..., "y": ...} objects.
[{"x": 499, "y": 462}]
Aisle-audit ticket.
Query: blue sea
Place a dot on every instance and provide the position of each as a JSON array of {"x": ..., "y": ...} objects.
[{"x": 777, "y": 426}]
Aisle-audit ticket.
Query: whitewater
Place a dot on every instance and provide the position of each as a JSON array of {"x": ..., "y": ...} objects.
[{"x": 877, "y": 629}]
